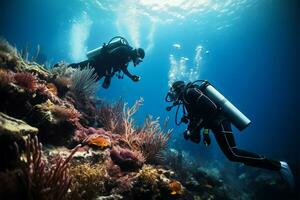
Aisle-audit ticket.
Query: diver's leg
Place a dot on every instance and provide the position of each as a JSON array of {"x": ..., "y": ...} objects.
[
  {"x": 106, "y": 82},
  {"x": 226, "y": 141}
]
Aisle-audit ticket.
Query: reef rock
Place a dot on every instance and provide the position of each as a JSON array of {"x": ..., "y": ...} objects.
[
  {"x": 15, "y": 126},
  {"x": 12, "y": 133}
]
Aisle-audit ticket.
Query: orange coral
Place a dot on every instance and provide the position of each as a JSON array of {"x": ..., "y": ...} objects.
[
  {"x": 175, "y": 188},
  {"x": 99, "y": 141},
  {"x": 52, "y": 88}
]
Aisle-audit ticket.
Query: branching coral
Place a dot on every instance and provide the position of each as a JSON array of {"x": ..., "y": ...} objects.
[
  {"x": 26, "y": 80},
  {"x": 129, "y": 137},
  {"x": 110, "y": 116},
  {"x": 150, "y": 139},
  {"x": 44, "y": 181},
  {"x": 154, "y": 139}
]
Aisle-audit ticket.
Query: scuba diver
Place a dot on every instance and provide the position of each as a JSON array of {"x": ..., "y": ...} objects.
[
  {"x": 112, "y": 58},
  {"x": 205, "y": 108}
]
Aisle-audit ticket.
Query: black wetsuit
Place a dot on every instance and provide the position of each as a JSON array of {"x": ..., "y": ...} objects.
[
  {"x": 201, "y": 108},
  {"x": 112, "y": 59}
]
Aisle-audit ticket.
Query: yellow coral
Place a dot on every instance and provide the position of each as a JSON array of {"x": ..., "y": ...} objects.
[
  {"x": 149, "y": 175},
  {"x": 88, "y": 180}
]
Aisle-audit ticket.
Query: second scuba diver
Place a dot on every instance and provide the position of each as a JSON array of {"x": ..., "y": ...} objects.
[
  {"x": 205, "y": 108},
  {"x": 113, "y": 58}
]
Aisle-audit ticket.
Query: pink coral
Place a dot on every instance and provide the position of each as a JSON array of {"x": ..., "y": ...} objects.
[
  {"x": 26, "y": 80},
  {"x": 110, "y": 116},
  {"x": 126, "y": 159},
  {"x": 44, "y": 181}
]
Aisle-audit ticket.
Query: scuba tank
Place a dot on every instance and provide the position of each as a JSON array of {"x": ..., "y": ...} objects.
[
  {"x": 112, "y": 43},
  {"x": 237, "y": 118}
]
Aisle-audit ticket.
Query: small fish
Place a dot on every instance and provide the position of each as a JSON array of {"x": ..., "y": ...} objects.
[{"x": 101, "y": 142}]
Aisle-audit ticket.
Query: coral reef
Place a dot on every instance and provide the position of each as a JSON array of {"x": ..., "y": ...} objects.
[
  {"x": 94, "y": 149},
  {"x": 26, "y": 81},
  {"x": 15, "y": 126}
]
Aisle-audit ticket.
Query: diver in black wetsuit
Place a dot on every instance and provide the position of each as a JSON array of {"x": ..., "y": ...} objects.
[
  {"x": 205, "y": 108},
  {"x": 113, "y": 58}
]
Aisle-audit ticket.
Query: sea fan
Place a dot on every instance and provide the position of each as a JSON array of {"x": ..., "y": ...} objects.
[{"x": 84, "y": 83}]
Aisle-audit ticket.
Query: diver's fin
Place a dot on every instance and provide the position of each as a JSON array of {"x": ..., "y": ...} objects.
[{"x": 287, "y": 174}]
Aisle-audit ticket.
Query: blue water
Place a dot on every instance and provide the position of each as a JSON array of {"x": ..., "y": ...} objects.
[{"x": 250, "y": 53}]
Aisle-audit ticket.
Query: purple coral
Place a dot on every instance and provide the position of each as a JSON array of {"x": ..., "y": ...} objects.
[
  {"x": 44, "y": 181},
  {"x": 126, "y": 159}
]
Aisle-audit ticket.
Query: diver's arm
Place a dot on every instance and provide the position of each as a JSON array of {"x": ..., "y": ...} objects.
[{"x": 127, "y": 73}]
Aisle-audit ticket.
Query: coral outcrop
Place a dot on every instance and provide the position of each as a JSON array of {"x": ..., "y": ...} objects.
[
  {"x": 16, "y": 127},
  {"x": 91, "y": 149}
]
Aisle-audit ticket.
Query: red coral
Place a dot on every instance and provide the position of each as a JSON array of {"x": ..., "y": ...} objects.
[{"x": 26, "y": 80}]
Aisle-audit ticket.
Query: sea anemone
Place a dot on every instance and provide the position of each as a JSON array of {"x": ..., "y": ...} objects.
[{"x": 26, "y": 80}]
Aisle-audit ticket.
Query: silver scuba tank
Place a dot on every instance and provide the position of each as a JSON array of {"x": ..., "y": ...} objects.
[
  {"x": 237, "y": 118},
  {"x": 97, "y": 51},
  {"x": 94, "y": 52}
]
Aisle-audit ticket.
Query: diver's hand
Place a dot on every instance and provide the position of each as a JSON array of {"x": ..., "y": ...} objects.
[
  {"x": 135, "y": 78},
  {"x": 186, "y": 134},
  {"x": 206, "y": 138}
]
